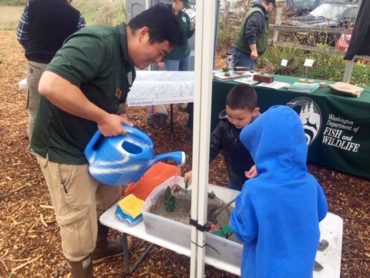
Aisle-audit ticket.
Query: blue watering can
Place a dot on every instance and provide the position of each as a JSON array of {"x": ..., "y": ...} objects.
[{"x": 125, "y": 158}]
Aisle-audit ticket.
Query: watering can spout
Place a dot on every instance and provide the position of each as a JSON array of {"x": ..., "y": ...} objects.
[{"x": 177, "y": 157}]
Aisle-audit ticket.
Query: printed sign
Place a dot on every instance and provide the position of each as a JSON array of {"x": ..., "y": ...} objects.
[
  {"x": 341, "y": 133},
  {"x": 309, "y": 63},
  {"x": 284, "y": 62}
]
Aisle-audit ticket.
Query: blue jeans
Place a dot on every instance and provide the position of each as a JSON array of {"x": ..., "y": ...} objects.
[
  {"x": 242, "y": 59},
  {"x": 177, "y": 65}
]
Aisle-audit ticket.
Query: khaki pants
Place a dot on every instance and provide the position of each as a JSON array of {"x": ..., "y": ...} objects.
[
  {"x": 34, "y": 72},
  {"x": 78, "y": 201}
]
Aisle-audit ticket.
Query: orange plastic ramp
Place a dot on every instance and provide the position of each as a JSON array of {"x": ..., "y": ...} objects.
[{"x": 153, "y": 177}]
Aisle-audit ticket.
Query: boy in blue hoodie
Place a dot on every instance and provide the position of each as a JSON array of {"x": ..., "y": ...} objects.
[{"x": 277, "y": 214}]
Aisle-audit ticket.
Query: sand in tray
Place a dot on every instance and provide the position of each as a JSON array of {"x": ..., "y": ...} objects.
[{"x": 183, "y": 205}]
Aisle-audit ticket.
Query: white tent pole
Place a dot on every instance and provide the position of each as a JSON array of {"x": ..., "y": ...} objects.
[
  {"x": 348, "y": 71},
  {"x": 204, "y": 53},
  {"x": 196, "y": 136},
  {"x": 349, "y": 64}
]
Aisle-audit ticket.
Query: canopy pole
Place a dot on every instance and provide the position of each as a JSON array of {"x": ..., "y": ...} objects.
[{"x": 204, "y": 54}]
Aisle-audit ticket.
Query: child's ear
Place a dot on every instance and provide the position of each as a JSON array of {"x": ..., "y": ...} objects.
[{"x": 255, "y": 112}]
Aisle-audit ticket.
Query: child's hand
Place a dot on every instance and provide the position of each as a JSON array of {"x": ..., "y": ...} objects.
[
  {"x": 251, "y": 173},
  {"x": 161, "y": 65},
  {"x": 187, "y": 177}
]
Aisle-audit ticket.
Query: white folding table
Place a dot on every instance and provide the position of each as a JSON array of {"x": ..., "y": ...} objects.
[
  {"x": 331, "y": 229},
  {"x": 162, "y": 87},
  {"x": 109, "y": 219}
]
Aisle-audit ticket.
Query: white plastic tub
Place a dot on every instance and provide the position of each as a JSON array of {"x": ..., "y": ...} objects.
[{"x": 178, "y": 233}]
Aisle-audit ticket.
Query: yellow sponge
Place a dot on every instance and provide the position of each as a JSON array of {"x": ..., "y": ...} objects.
[{"x": 131, "y": 205}]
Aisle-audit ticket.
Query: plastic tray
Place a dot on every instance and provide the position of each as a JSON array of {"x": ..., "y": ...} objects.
[{"x": 178, "y": 233}]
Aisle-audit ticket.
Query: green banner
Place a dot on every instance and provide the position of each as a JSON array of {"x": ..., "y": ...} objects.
[{"x": 337, "y": 127}]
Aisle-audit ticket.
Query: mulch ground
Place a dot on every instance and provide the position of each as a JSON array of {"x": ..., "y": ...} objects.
[{"x": 29, "y": 238}]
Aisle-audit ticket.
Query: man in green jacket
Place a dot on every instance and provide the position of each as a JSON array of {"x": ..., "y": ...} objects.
[
  {"x": 252, "y": 38},
  {"x": 83, "y": 89}
]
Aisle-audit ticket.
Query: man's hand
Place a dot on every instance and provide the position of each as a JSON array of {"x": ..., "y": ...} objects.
[
  {"x": 111, "y": 125},
  {"x": 251, "y": 173},
  {"x": 254, "y": 53}
]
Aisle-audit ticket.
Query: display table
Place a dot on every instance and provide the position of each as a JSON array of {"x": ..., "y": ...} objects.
[
  {"x": 161, "y": 87},
  {"x": 331, "y": 229},
  {"x": 337, "y": 127}
]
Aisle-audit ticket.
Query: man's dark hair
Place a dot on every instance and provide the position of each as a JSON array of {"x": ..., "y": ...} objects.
[
  {"x": 242, "y": 96},
  {"x": 163, "y": 25}
]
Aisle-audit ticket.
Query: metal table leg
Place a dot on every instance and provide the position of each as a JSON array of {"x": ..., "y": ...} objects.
[{"x": 128, "y": 269}]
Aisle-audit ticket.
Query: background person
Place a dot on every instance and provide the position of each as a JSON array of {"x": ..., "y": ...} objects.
[
  {"x": 177, "y": 60},
  {"x": 251, "y": 40},
  {"x": 43, "y": 27},
  {"x": 82, "y": 89},
  {"x": 277, "y": 214},
  {"x": 241, "y": 110}
]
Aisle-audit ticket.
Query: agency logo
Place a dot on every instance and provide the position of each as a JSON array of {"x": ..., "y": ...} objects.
[{"x": 310, "y": 115}]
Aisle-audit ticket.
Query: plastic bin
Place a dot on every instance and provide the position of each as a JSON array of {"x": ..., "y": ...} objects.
[{"x": 178, "y": 233}]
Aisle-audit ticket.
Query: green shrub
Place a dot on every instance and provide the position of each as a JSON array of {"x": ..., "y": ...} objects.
[
  {"x": 361, "y": 74},
  {"x": 13, "y": 2},
  {"x": 101, "y": 11},
  {"x": 328, "y": 65},
  {"x": 271, "y": 60},
  {"x": 225, "y": 37},
  {"x": 229, "y": 24},
  {"x": 94, "y": 11}
]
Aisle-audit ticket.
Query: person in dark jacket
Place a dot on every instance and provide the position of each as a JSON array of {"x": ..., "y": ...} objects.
[
  {"x": 252, "y": 38},
  {"x": 43, "y": 27},
  {"x": 277, "y": 214},
  {"x": 241, "y": 109}
]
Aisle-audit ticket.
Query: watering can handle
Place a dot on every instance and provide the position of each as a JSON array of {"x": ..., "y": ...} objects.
[
  {"x": 178, "y": 157},
  {"x": 96, "y": 140},
  {"x": 91, "y": 146}
]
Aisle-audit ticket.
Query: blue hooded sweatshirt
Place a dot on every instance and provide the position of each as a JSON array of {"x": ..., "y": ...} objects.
[{"x": 277, "y": 214}]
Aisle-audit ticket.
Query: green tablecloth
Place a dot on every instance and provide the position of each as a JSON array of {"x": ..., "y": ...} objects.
[{"x": 337, "y": 127}]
